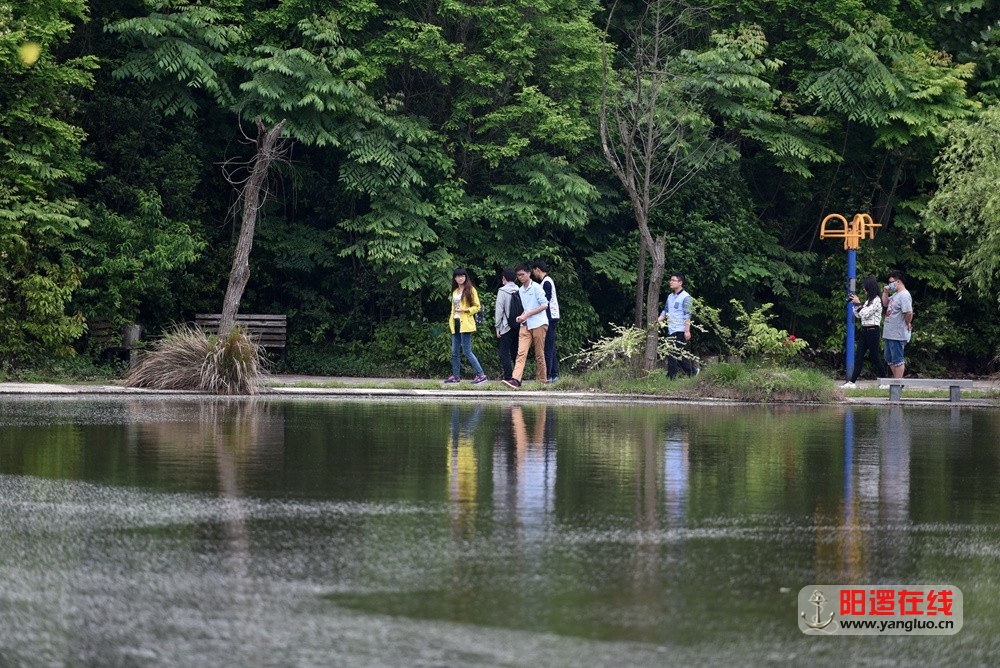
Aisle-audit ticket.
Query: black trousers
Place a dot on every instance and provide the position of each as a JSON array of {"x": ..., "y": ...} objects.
[
  {"x": 551, "y": 358},
  {"x": 508, "y": 352},
  {"x": 673, "y": 362},
  {"x": 868, "y": 342}
]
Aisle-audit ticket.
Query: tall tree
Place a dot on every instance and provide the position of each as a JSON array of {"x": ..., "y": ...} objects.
[
  {"x": 40, "y": 159},
  {"x": 253, "y": 193},
  {"x": 669, "y": 112},
  {"x": 967, "y": 201}
]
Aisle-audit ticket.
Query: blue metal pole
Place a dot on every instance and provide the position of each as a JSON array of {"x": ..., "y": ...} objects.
[{"x": 851, "y": 287}]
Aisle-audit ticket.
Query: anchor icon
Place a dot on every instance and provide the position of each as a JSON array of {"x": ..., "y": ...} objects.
[{"x": 818, "y": 600}]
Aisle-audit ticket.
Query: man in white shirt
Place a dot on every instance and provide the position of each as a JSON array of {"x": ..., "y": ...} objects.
[
  {"x": 541, "y": 272},
  {"x": 534, "y": 324}
]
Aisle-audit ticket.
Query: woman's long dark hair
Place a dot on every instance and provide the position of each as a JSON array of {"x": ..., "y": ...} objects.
[
  {"x": 871, "y": 288},
  {"x": 466, "y": 289}
]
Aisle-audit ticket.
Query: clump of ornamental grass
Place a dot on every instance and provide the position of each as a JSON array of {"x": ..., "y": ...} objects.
[{"x": 188, "y": 359}]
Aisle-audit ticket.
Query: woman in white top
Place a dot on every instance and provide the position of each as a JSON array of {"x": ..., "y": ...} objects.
[{"x": 870, "y": 314}]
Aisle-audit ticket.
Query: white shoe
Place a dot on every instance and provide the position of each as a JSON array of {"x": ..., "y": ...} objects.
[
  {"x": 848, "y": 386},
  {"x": 883, "y": 387}
]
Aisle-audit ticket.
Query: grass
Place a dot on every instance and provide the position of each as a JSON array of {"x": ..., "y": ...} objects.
[
  {"x": 739, "y": 382},
  {"x": 762, "y": 383},
  {"x": 77, "y": 370}
]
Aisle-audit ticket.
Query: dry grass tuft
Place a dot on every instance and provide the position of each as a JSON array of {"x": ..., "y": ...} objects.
[{"x": 188, "y": 359}]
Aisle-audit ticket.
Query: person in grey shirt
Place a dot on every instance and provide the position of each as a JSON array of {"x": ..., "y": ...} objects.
[{"x": 898, "y": 321}]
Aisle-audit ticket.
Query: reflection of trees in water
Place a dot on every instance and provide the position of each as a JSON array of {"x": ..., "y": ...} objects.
[
  {"x": 251, "y": 431},
  {"x": 57, "y": 451},
  {"x": 240, "y": 438}
]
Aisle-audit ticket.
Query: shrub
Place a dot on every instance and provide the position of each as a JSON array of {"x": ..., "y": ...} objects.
[
  {"x": 188, "y": 359},
  {"x": 757, "y": 340},
  {"x": 624, "y": 350}
]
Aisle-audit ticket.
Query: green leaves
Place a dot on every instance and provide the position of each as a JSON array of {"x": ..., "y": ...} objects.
[
  {"x": 40, "y": 160},
  {"x": 967, "y": 202},
  {"x": 310, "y": 84},
  {"x": 131, "y": 256},
  {"x": 891, "y": 81},
  {"x": 180, "y": 48}
]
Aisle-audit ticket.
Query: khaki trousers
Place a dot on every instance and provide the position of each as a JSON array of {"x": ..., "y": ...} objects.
[{"x": 527, "y": 338}]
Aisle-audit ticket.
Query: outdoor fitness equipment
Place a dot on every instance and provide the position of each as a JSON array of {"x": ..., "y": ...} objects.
[{"x": 860, "y": 227}]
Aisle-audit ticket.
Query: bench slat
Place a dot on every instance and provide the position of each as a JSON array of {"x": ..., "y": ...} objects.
[{"x": 268, "y": 330}]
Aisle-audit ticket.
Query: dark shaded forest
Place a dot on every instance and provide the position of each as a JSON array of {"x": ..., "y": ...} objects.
[{"x": 440, "y": 133}]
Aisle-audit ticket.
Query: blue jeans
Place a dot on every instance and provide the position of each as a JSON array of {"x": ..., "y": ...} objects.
[
  {"x": 894, "y": 352},
  {"x": 463, "y": 342}
]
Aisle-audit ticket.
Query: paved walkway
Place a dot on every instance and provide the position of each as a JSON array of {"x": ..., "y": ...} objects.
[{"x": 296, "y": 385}]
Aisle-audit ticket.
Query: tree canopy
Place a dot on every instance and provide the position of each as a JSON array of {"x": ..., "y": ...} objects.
[{"x": 433, "y": 133}]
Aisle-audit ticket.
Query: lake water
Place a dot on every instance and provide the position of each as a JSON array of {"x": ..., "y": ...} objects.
[{"x": 150, "y": 531}]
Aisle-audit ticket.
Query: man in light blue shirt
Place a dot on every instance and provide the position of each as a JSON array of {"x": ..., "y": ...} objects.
[
  {"x": 677, "y": 313},
  {"x": 534, "y": 325}
]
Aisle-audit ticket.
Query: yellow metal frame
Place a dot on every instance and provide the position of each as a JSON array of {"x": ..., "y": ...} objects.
[{"x": 860, "y": 227}]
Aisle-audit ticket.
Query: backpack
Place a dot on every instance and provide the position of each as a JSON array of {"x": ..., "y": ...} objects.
[{"x": 514, "y": 309}]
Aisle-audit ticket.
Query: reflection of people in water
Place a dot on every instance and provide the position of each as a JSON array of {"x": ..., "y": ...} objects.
[
  {"x": 463, "y": 469},
  {"x": 895, "y": 469},
  {"x": 525, "y": 475},
  {"x": 676, "y": 474},
  {"x": 876, "y": 494}
]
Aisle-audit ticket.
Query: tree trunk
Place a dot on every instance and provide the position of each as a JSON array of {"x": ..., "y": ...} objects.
[
  {"x": 640, "y": 282},
  {"x": 653, "y": 302},
  {"x": 252, "y": 203}
]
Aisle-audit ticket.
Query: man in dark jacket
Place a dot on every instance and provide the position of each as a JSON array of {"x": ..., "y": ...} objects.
[{"x": 506, "y": 335}]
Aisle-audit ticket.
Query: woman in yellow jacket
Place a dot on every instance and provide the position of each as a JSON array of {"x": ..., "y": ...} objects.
[{"x": 464, "y": 306}]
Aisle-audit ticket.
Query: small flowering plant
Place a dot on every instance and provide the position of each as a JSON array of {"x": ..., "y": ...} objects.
[{"x": 756, "y": 339}]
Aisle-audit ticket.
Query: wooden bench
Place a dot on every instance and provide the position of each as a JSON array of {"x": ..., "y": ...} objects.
[
  {"x": 109, "y": 340},
  {"x": 896, "y": 385},
  {"x": 266, "y": 330}
]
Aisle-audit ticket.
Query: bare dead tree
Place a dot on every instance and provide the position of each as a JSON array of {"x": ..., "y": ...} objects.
[
  {"x": 253, "y": 195},
  {"x": 654, "y": 135}
]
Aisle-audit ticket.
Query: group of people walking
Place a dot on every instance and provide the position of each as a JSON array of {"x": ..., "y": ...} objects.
[
  {"x": 526, "y": 316},
  {"x": 897, "y": 303}
]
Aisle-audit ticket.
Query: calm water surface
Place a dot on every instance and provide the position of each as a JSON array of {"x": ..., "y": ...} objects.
[{"x": 175, "y": 532}]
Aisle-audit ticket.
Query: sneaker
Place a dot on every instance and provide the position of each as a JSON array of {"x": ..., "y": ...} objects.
[
  {"x": 480, "y": 378},
  {"x": 453, "y": 379},
  {"x": 552, "y": 380},
  {"x": 512, "y": 382},
  {"x": 883, "y": 387},
  {"x": 848, "y": 386}
]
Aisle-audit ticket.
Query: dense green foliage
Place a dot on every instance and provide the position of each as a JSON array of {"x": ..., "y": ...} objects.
[
  {"x": 40, "y": 160},
  {"x": 436, "y": 133}
]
